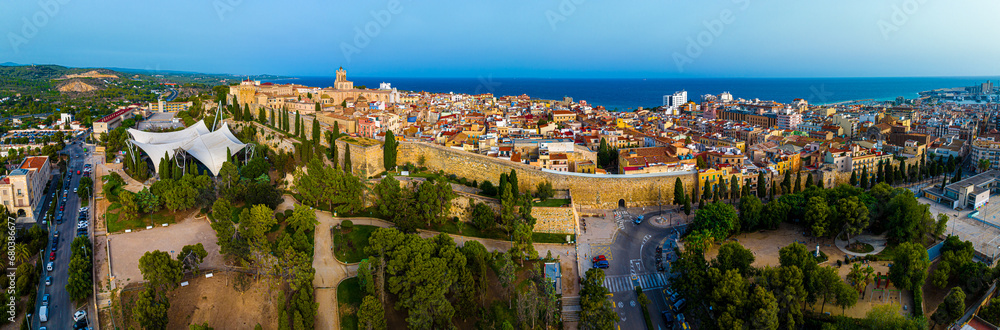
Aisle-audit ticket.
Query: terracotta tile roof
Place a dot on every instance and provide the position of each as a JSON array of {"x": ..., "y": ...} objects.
[{"x": 34, "y": 162}]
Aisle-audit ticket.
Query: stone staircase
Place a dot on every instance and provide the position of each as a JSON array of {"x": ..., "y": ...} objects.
[{"x": 571, "y": 309}]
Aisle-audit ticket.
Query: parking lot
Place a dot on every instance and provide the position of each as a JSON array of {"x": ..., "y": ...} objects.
[{"x": 159, "y": 121}]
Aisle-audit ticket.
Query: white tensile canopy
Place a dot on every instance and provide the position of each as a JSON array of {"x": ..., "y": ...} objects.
[
  {"x": 183, "y": 135},
  {"x": 209, "y": 148}
]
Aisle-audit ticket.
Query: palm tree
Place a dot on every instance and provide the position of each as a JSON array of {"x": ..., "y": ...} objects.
[
  {"x": 21, "y": 253},
  {"x": 984, "y": 164}
]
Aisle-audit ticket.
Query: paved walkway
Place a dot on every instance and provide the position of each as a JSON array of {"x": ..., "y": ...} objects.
[{"x": 878, "y": 242}]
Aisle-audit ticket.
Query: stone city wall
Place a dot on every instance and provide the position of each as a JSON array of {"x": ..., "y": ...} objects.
[{"x": 599, "y": 191}]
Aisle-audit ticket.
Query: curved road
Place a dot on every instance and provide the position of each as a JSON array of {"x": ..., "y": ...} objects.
[{"x": 633, "y": 263}]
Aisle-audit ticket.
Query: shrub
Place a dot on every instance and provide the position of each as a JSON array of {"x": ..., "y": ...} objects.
[{"x": 347, "y": 225}]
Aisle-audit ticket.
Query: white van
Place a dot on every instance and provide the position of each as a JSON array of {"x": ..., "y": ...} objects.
[{"x": 43, "y": 313}]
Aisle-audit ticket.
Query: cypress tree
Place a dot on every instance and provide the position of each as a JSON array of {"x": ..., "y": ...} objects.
[
  {"x": 512, "y": 180},
  {"x": 865, "y": 180},
  {"x": 336, "y": 130},
  {"x": 298, "y": 121},
  {"x": 723, "y": 189},
  {"x": 786, "y": 183},
  {"x": 734, "y": 189},
  {"x": 347, "y": 161},
  {"x": 687, "y": 205},
  {"x": 746, "y": 189},
  {"x": 761, "y": 185},
  {"x": 333, "y": 155},
  {"x": 706, "y": 192},
  {"x": 854, "y": 178},
  {"x": 247, "y": 116},
  {"x": 798, "y": 181},
  {"x": 315, "y": 131},
  {"x": 389, "y": 152},
  {"x": 679, "y": 195},
  {"x": 809, "y": 180},
  {"x": 881, "y": 172}
]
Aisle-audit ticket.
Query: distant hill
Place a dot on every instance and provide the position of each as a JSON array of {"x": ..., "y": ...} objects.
[{"x": 9, "y": 64}]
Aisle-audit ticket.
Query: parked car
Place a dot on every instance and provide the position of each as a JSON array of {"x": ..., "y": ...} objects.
[
  {"x": 79, "y": 315},
  {"x": 48, "y": 280},
  {"x": 48, "y": 266},
  {"x": 599, "y": 258},
  {"x": 45, "y": 299},
  {"x": 601, "y": 264}
]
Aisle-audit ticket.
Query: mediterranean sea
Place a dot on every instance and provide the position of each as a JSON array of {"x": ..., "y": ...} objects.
[{"x": 629, "y": 94}]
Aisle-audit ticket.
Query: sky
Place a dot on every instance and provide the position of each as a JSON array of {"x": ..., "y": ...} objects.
[{"x": 512, "y": 38}]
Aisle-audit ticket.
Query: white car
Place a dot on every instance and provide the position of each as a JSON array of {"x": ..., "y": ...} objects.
[
  {"x": 48, "y": 266},
  {"x": 79, "y": 315}
]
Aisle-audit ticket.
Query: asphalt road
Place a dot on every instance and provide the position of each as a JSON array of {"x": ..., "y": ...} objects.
[
  {"x": 632, "y": 262},
  {"x": 61, "y": 309}
]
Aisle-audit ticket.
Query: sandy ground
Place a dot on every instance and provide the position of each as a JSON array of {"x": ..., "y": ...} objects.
[
  {"x": 765, "y": 245},
  {"x": 214, "y": 300},
  {"x": 127, "y": 248}
]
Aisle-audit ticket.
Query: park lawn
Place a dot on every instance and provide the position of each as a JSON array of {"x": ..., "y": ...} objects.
[
  {"x": 463, "y": 229},
  {"x": 349, "y": 297},
  {"x": 85, "y": 203},
  {"x": 553, "y": 203},
  {"x": 350, "y": 247},
  {"x": 551, "y": 238},
  {"x": 155, "y": 219}
]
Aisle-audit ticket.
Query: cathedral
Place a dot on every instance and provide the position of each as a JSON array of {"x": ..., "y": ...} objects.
[{"x": 297, "y": 97}]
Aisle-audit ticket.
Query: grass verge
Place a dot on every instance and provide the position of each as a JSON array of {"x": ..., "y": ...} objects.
[
  {"x": 350, "y": 246},
  {"x": 349, "y": 298}
]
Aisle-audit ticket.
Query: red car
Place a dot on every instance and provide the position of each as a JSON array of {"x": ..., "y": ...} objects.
[
  {"x": 78, "y": 172},
  {"x": 52, "y": 256},
  {"x": 599, "y": 258}
]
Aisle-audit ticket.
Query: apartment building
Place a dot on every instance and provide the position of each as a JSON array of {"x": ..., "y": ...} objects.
[{"x": 21, "y": 190}]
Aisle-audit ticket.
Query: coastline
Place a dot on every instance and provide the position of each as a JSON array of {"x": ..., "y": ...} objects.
[{"x": 629, "y": 94}]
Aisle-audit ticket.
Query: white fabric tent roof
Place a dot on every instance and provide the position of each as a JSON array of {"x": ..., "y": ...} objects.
[
  {"x": 209, "y": 148},
  {"x": 183, "y": 135}
]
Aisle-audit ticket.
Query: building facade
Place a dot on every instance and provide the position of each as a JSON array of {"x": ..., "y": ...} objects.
[{"x": 21, "y": 190}]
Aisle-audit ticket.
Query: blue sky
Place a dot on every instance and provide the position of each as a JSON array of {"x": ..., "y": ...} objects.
[{"x": 515, "y": 38}]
